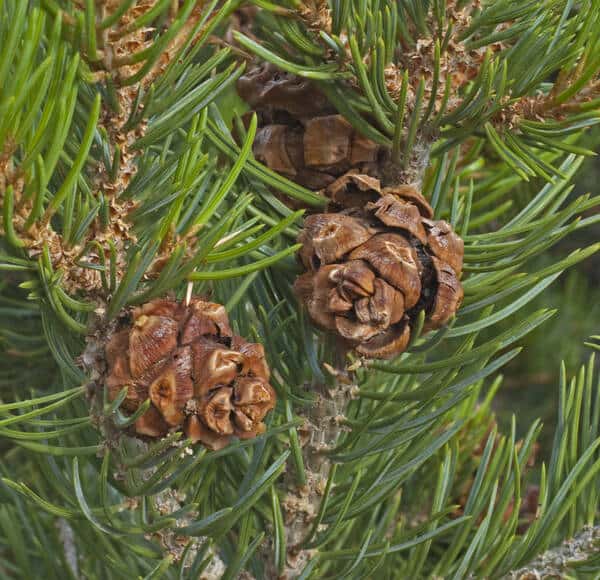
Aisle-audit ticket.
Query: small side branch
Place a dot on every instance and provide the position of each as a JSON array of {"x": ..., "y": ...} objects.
[{"x": 555, "y": 562}]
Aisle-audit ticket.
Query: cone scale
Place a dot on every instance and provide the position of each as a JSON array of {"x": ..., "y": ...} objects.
[{"x": 198, "y": 375}]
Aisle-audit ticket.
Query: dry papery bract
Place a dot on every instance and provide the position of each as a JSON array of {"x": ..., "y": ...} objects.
[
  {"x": 316, "y": 14},
  {"x": 117, "y": 47},
  {"x": 198, "y": 375},
  {"x": 457, "y": 62}
]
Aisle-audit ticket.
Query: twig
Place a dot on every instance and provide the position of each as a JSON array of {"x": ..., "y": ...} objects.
[
  {"x": 555, "y": 562},
  {"x": 323, "y": 429}
]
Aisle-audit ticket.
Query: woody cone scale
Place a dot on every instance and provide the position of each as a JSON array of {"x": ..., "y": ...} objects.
[
  {"x": 375, "y": 264},
  {"x": 300, "y": 135},
  {"x": 198, "y": 375}
]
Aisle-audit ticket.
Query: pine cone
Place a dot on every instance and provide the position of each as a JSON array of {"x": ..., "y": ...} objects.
[
  {"x": 300, "y": 134},
  {"x": 196, "y": 372},
  {"x": 373, "y": 266}
]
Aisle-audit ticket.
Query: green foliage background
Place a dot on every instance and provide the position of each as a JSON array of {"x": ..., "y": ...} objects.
[
  {"x": 530, "y": 379},
  {"x": 412, "y": 477}
]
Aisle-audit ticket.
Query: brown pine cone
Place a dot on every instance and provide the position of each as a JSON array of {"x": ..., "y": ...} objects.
[
  {"x": 196, "y": 372},
  {"x": 300, "y": 135},
  {"x": 373, "y": 266}
]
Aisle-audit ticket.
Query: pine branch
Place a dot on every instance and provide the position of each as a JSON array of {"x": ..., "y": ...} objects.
[
  {"x": 303, "y": 506},
  {"x": 390, "y": 467},
  {"x": 127, "y": 54},
  {"x": 558, "y": 561},
  {"x": 84, "y": 234}
]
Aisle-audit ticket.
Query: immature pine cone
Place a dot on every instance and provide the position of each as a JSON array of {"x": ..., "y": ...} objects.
[
  {"x": 374, "y": 265},
  {"x": 300, "y": 135},
  {"x": 196, "y": 372}
]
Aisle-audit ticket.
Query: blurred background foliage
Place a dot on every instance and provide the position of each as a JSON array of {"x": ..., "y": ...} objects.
[{"x": 529, "y": 384}]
